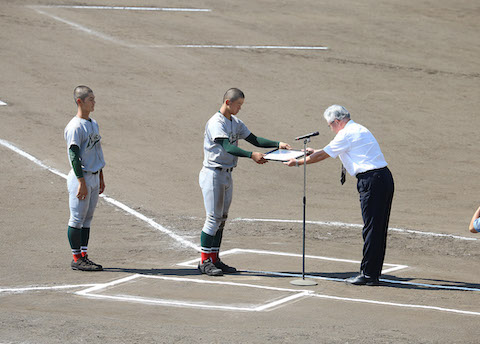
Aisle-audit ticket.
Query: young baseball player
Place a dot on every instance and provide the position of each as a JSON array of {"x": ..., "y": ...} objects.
[
  {"x": 221, "y": 153},
  {"x": 85, "y": 180}
]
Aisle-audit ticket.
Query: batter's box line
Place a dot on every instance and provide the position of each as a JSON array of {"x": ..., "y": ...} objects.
[
  {"x": 93, "y": 292},
  {"x": 393, "y": 267}
]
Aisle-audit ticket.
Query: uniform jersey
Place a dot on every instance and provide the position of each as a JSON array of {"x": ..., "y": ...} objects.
[
  {"x": 220, "y": 127},
  {"x": 85, "y": 134}
]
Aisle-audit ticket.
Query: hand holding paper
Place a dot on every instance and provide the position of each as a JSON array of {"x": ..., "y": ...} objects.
[{"x": 284, "y": 145}]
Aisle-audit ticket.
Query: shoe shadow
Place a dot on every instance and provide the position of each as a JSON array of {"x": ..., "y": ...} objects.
[
  {"x": 157, "y": 272},
  {"x": 419, "y": 283},
  {"x": 390, "y": 281}
]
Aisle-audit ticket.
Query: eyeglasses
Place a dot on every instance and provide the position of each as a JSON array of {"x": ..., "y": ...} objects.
[{"x": 330, "y": 124}]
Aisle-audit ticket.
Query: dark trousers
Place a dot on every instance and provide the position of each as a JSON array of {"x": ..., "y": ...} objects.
[{"x": 376, "y": 193}]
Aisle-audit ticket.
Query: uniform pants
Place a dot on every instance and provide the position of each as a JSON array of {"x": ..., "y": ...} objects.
[
  {"x": 376, "y": 189},
  {"x": 81, "y": 211},
  {"x": 217, "y": 190}
]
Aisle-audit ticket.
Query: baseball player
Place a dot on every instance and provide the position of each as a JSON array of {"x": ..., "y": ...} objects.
[
  {"x": 85, "y": 180},
  {"x": 221, "y": 153}
]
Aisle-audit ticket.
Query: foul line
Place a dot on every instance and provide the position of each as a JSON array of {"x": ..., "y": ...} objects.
[
  {"x": 353, "y": 225},
  {"x": 220, "y": 46},
  {"x": 85, "y": 29},
  {"x": 58, "y": 287},
  {"x": 110, "y": 200},
  {"x": 128, "y": 45},
  {"x": 130, "y": 8},
  {"x": 395, "y": 304}
]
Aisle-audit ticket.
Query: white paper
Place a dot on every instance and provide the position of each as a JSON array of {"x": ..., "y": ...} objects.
[{"x": 284, "y": 155}]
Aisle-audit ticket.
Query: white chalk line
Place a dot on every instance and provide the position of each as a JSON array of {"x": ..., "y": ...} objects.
[
  {"x": 2, "y": 103},
  {"x": 110, "y": 200},
  {"x": 128, "y": 8},
  {"x": 268, "y": 306},
  {"x": 43, "y": 288},
  {"x": 248, "y": 47},
  {"x": 353, "y": 225},
  {"x": 189, "y": 304},
  {"x": 128, "y": 45},
  {"x": 299, "y": 293},
  {"x": 395, "y": 304},
  {"x": 394, "y": 267},
  {"x": 85, "y": 29}
]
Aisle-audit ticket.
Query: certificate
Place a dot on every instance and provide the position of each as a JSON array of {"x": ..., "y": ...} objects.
[{"x": 283, "y": 154}]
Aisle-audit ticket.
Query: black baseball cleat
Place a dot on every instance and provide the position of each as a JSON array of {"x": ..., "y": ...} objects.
[
  {"x": 208, "y": 268},
  {"x": 224, "y": 267},
  {"x": 92, "y": 263},
  {"x": 85, "y": 265},
  {"x": 361, "y": 279}
]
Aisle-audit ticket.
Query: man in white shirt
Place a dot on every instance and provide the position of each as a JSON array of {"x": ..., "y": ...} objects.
[{"x": 361, "y": 156}]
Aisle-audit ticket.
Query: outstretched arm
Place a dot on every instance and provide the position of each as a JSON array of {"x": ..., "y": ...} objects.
[
  {"x": 234, "y": 150},
  {"x": 314, "y": 157},
  {"x": 266, "y": 143}
]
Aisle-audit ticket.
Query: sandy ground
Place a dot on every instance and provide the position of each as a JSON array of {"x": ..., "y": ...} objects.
[{"x": 408, "y": 71}]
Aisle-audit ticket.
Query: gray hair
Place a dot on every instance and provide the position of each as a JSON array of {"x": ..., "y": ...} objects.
[
  {"x": 81, "y": 92},
  {"x": 336, "y": 112}
]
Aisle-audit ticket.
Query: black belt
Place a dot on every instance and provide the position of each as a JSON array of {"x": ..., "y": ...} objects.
[
  {"x": 90, "y": 172},
  {"x": 224, "y": 169},
  {"x": 363, "y": 174}
]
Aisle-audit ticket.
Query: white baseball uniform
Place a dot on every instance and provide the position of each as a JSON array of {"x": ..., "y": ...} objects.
[
  {"x": 215, "y": 178},
  {"x": 84, "y": 134}
]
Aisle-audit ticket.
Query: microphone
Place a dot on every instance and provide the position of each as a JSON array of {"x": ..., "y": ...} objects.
[{"x": 306, "y": 136}]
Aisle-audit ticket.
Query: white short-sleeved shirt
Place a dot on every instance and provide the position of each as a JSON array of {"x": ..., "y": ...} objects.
[
  {"x": 357, "y": 148},
  {"x": 85, "y": 134},
  {"x": 218, "y": 127}
]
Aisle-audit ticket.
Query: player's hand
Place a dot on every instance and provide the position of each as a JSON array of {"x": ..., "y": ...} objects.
[
  {"x": 82, "y": 189},
  {"x": 258, "y": 158},
  {"x": 102, "y": 186},
  {"x": 102, "y": 183},
  {"x": 283, "y": 145},
  {"x": 291, "y": 162}
]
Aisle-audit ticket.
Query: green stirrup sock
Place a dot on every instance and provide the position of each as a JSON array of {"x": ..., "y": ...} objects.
[
  {"x": 217, "y": 240},
  {"x": 74, "y": 237},
  {"x": 206, "y": 240},
  {"x": 85, "y": 236}
]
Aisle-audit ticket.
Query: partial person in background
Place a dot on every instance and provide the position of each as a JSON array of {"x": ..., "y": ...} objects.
[{"x": 475, "y": 222}]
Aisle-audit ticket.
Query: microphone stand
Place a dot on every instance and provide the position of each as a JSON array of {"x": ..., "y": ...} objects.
[{"x": 303, "y": 281}]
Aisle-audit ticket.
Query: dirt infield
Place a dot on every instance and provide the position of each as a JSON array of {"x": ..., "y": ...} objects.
[{"x": 408, "y": 71}]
